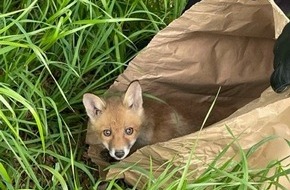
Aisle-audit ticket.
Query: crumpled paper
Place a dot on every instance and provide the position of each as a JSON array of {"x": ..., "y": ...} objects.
[{"x": 216, "y": 43}]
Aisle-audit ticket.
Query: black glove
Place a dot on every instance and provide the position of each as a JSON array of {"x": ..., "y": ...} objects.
[{"x": 280, "y": 78}]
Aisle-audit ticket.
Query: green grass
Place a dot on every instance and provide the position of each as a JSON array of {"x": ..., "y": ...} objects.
[
  {"x": 229, "y": 174},
  {"x": 51, "y": 53}
]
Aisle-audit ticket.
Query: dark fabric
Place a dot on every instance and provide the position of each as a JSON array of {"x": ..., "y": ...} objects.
[
  {"x": 189, "y": 4},
  {"x": 280, "y": 78},
  {"x": 284, "y": 5}
]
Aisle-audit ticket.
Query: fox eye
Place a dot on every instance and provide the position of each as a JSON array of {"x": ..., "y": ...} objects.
[
  {"x": 129, "y": 131},
  {"x": 107, "y": 132}
]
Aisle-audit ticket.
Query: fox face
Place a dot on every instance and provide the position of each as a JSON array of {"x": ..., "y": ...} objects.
[{"x": 117, "y": 120}]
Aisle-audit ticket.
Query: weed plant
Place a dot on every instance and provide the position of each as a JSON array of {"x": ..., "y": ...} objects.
[
  {"x": 51, "y": 53},
  {"x": 223, "y": 173}
]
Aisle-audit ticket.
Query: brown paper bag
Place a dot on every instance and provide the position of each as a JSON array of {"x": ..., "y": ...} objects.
[
  {"x": 267, "y": 116},
  {"x": 217, "y": 43}
]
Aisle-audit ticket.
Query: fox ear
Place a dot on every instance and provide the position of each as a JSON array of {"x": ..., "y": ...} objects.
[
  {"x": 133, "y": 96},
  {"x": 93, "y": 104}
]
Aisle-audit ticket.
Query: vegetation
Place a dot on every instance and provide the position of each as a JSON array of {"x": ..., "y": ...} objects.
[
  {"x": 51, "y": 53},
  {"x": 228, "y": 174}
]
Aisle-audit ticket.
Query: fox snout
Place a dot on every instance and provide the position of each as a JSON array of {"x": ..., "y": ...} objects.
[
  {"x": 119, "y": 154},
  {"x": 119, "y": 149}
]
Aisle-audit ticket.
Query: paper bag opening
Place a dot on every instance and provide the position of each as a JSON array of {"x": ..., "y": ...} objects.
[{"x": 216, "y": 43}]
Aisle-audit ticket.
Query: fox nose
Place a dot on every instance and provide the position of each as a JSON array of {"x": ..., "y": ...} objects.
[{"x": 119, "y": 153}]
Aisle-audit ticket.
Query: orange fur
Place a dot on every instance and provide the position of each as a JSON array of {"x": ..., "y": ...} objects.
[{"x": 124, "y": 125}]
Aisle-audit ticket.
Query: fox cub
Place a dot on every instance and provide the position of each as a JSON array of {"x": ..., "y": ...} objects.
[{"x": 123, "y": 125}]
